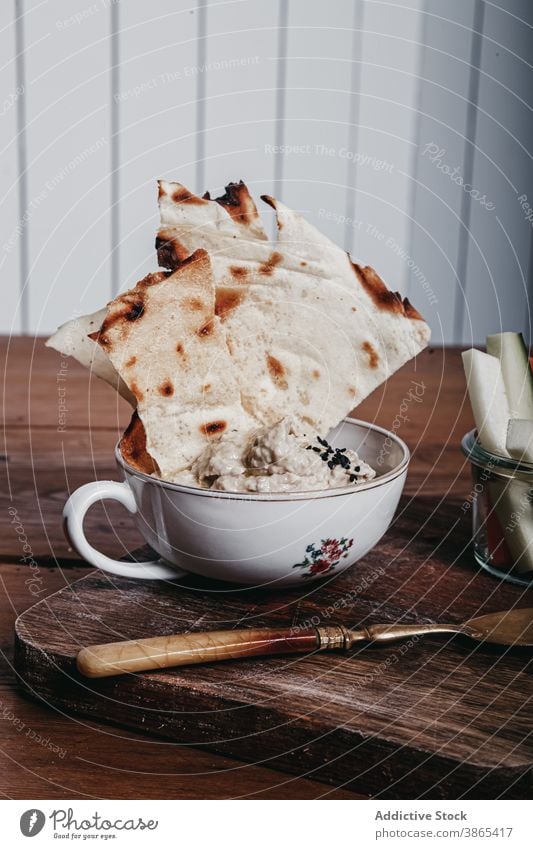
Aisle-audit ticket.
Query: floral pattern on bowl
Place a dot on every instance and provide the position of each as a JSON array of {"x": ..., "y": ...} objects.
[{"x": 323, "y": 559}]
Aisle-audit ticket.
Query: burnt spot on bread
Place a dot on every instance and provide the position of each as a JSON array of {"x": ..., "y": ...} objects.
[
  {"x": 205, "y": 330},
  {"x": 179, "y": 348},
  {"x": 166, "y": 388},
  {"x": 303, "y": 263},
  {"x": 410, "y": 310},
  {"x": 131, "y": 362},
  {"x": 315, "y": 373},
  {"x": 136, "y": 391},
  {"x": 238, "y": 203},
  {"x": 354, "y": 309},
  {"x": 268, "y": 267},
  {"x": 100, "y": 339},
  {"x": 275, "y": 368},
  {"x": 206, "y": 387},
  {"x": 197, "y": 258},
  {"x": 277, "y": 372},
  {"x": 226, "y": 301},
  {"x": 130, "y": 307},
  {"x": 272, "y": 202},
  {"x": 373, "y": 359},
  {"x": 239, "y": 271},
  {"x": 195, "y": 304},
  {"x": 375, "y": 287},
  {"x": 152, "y": 278},
  {"x": 170, "y": 252},
  {"x": 383, "y": 298},
  {"x": 213, "y": 428},
  {"x": 133, "y": 447},
  {"x": 135, "y": 310},
  {"x": 183, "y": 195}
]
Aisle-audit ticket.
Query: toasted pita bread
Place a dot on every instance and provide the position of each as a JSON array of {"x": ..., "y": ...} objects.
[
  {"x": 240, "y": 206},
  {"x": 232, "y": 216},
  {"x": 167, "y": 344},
  {"x": 72, "y": 340},
  {"x": 189, "y": 221},
  {"x": 251, "y": 333},
  {"x": 311, "y": 333},
  {"x": 133, "y": 447}
]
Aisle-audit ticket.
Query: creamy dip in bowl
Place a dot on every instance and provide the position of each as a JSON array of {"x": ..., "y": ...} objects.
[
  {"x": 259, "y": 538},
  {"x": 278, "y": 458}
]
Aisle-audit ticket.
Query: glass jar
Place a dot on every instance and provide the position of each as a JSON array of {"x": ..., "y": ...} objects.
[{"x": 501, "y": 503}]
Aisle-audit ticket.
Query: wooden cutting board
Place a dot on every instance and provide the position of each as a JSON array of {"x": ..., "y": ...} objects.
[{"x": 433, "y": 717}]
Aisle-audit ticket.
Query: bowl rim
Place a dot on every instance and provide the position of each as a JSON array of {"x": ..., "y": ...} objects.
[
  {"x": 479, "y": 456},
  {"x": 306, "y": 495}
]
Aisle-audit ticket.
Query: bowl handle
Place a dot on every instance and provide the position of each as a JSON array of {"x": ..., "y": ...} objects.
[{"x": 74, "y": 514}]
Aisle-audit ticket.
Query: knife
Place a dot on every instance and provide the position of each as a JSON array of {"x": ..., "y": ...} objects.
[{"x": 505, "y": 628}]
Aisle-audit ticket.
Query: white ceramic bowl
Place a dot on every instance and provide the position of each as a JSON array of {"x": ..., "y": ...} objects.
[{"x": 254, "y": 539}]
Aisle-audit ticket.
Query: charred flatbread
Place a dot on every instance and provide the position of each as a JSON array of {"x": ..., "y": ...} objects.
[
  {"x": 167, "y": 344},
  {"x": 311, "y": 333}
]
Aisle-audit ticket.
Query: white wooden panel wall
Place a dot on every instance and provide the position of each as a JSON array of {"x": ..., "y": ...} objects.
[
  {"x": 240, "y": 50},
  {"x": 331, "y": 106},
  {"x": 498, "y": 255},
  {"x": 68, "y": 140},
  {"x": 475, "y": 113},
  {"x": 11, "y": 104},
  {"x": 390, "y": 59},
  {"x": 437, "y": 231},
  {"x": 157, "y": 82},
  {"x": 316, "y": 112}
]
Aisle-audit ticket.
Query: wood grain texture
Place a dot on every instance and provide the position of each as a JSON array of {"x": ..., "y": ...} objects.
[
  {"x": 442, "y": 715},
  {"x": 39, "y": 466},
  {"x": 47, "y": 754}
]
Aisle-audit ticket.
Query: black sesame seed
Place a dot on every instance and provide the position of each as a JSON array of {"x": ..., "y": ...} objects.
[
  {"x": 352, "y": 478},
  {"x": 325, "y": 455},
  {"x": 331, "y": 464},
  {"x": 322, "y": 442},
  {"x": 314, "y": 448},
  {"x": 357, "y": 469}
]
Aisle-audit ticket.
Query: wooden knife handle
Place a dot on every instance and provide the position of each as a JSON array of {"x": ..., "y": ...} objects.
[{"x": 201, "y": 647}]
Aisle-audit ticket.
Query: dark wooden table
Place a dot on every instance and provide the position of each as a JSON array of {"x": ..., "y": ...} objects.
[{"x": 47, "y": 455}]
